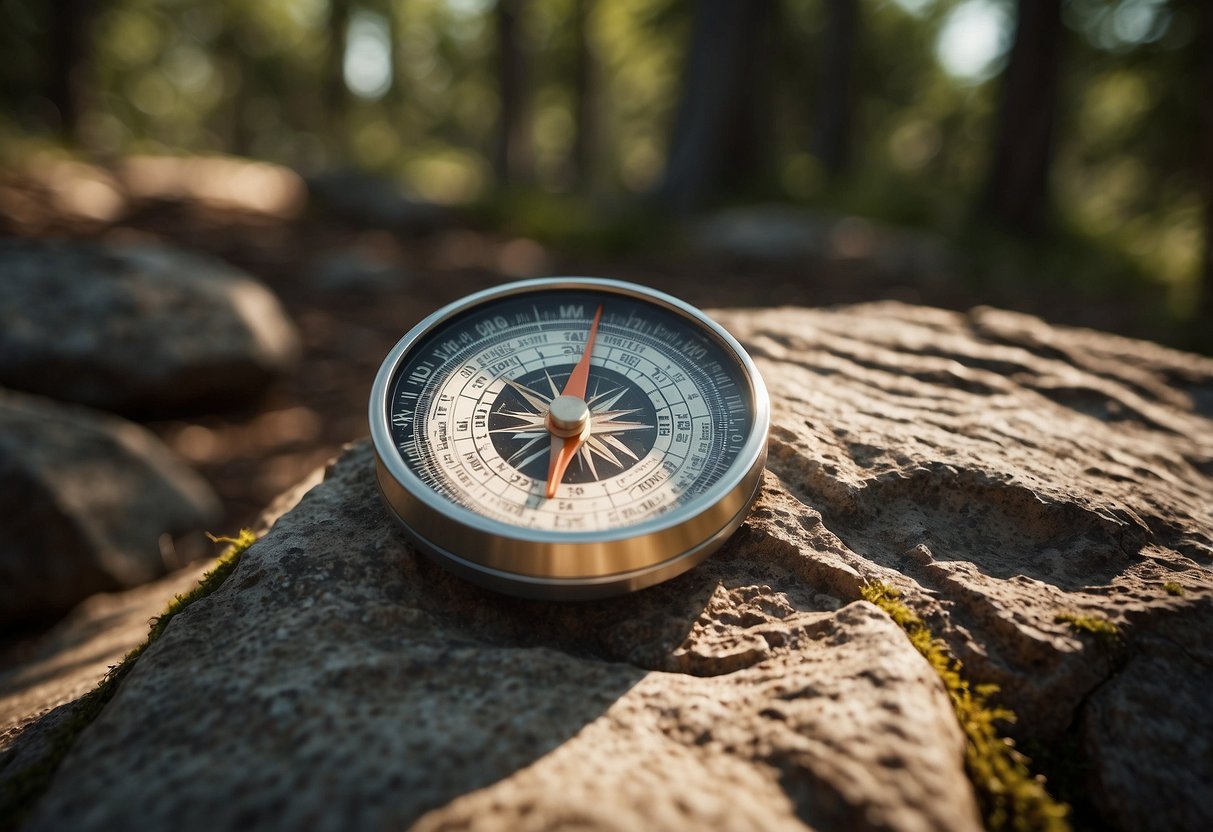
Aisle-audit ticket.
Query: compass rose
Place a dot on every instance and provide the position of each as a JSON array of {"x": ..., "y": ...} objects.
[{"x": 623, "y": 424}]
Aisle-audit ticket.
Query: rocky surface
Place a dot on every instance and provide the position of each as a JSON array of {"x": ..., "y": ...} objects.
[
  {"x": 44, "y": 679},
  {"x": 136, "y": 327},
  {"x": 45, "y": 676},
  {"x": 88, "y": 503},
  {"x": 999, "y": 472}
]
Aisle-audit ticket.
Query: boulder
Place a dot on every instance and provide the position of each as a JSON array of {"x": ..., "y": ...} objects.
[
  {"x": 136, "y": 327},
  {"x": 376, "y": 202},
  {"x": 783, "y": 234},
  {"x": 88, "y": 502},
  {"x": 1040, "y": 497}
]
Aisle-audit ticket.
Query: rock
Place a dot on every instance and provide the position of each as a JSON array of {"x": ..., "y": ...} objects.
[
  {"x": 134, "y": 328},
  {"x": 88, "y": 503},
  {"x": 376, "y": 202},
  {"x": 341, "y": 272},
  {"x": 784, "y": 234},
  {"x": 999, "y": 472},
  {"x": 385, "y": 690},
  {"x": 43, "y": 679}
]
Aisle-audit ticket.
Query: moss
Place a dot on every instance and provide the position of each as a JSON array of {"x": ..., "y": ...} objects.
[
  {"x": 20, "y": 790},
  {"x": 1173, "y": 588},
  {"x": 1103, "y": 629},
  {"x": 1009, "y": 796}
]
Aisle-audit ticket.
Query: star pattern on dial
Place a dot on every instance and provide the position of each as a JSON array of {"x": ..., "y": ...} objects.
[{"x": 606, "y": 423}]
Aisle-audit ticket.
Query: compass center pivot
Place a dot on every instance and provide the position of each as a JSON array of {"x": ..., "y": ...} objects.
[{"x": 567, "y": 416}]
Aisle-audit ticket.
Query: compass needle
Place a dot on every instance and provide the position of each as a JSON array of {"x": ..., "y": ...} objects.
[
  {"x": 479, "y": 412},
  {"x": 573, "y": 427}
]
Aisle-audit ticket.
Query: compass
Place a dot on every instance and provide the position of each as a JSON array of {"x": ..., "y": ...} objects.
[{"x": 569, "y": 437}]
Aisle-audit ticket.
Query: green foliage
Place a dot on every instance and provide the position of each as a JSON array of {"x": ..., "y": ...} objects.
[
  {"x": 1101, "y": 628},
  {"x": 1010, "y": 797},
  {"x": 255, "y": 79},
  {"x": 1173, "y": 588},
  {"x": 21, "y": 789}
]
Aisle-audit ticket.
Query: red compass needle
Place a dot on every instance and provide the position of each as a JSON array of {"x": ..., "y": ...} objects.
[
  {"x": 580, "y": 376},
  {"x": 570, "y": 433}
]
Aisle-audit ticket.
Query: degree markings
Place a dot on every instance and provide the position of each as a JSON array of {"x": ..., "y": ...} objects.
[{"x": 667, "y": 395}]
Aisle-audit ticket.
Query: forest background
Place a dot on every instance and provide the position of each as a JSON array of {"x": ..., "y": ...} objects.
[{"x": 1051, "y": 142}]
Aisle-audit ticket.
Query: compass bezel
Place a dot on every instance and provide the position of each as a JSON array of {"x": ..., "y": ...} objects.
[{"x": 544, "y": 563}]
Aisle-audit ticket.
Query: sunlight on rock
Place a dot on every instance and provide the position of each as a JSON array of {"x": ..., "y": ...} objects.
[
  {"x": 273, "y": 335},
  {"x": 91, "y": 195},
  {"x": 222, "y": 182},
  {"x": 75, "y": 189},
  {"x": 196, "y": 443}
]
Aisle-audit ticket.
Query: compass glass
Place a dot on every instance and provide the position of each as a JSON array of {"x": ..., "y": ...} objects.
[{"x": 471, "y": 403}]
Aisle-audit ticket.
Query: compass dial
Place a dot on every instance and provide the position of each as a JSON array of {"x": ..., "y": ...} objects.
[{"x": 565, "y": 438}]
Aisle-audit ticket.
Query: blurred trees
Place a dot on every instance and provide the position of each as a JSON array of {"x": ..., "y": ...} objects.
[
  {"x": 1017, "y": 186},
  {"x": 512, "y": 150},
  {"x": 836, "y": 92},
  {"x": 720, "y": 140},
  {"x": 1090, "y": 118}
]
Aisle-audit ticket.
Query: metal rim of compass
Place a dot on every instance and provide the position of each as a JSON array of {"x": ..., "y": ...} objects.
[{"x": 543, "y": 563}]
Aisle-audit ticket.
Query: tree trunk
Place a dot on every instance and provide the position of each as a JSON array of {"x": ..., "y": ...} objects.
[
  {"x": 720, "y": 136},
  {"x": 1016, "y": 194},
  {"x": 832, "y": 128},
  {"x": 1204, "y": 100},
  {"x": 336, "y": 93},
  {"x": 584, "y": 91},
  {"x": 512, "y": 151},
  {"x": 67, "y": 61}
]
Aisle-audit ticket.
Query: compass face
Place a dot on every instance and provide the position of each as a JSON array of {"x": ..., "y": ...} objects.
[
  {"x": 547, "y": 421},
  {"x": 623, "y": 424}
]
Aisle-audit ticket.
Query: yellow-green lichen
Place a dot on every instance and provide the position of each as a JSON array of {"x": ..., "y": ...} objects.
[
  {"x": 1103, "y": 629},
  {"x": 19, "y": 790},
  {"x": 1009, "y": 796},
  {"x": 1173, "y": 588}
]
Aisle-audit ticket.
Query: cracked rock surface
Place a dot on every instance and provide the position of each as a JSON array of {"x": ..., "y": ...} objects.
[{"x": 997, "y": 471}]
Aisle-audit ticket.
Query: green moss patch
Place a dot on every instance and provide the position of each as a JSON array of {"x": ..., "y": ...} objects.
[
  {"x": 1103, "y": 629},
  {"x": 19, "y": 791},
  {"x": 1009, "y": 796},
  {"x": 1173, "y": 588}
]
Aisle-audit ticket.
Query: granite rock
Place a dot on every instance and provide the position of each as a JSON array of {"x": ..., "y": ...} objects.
[
  {"x": 999, "y": 472},
  {"x": 136, "y": 327},
  {"x": 384, "y": 690},
  {"x": 1002, "y": 473},
  {"x": 88, "y": 502}
]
